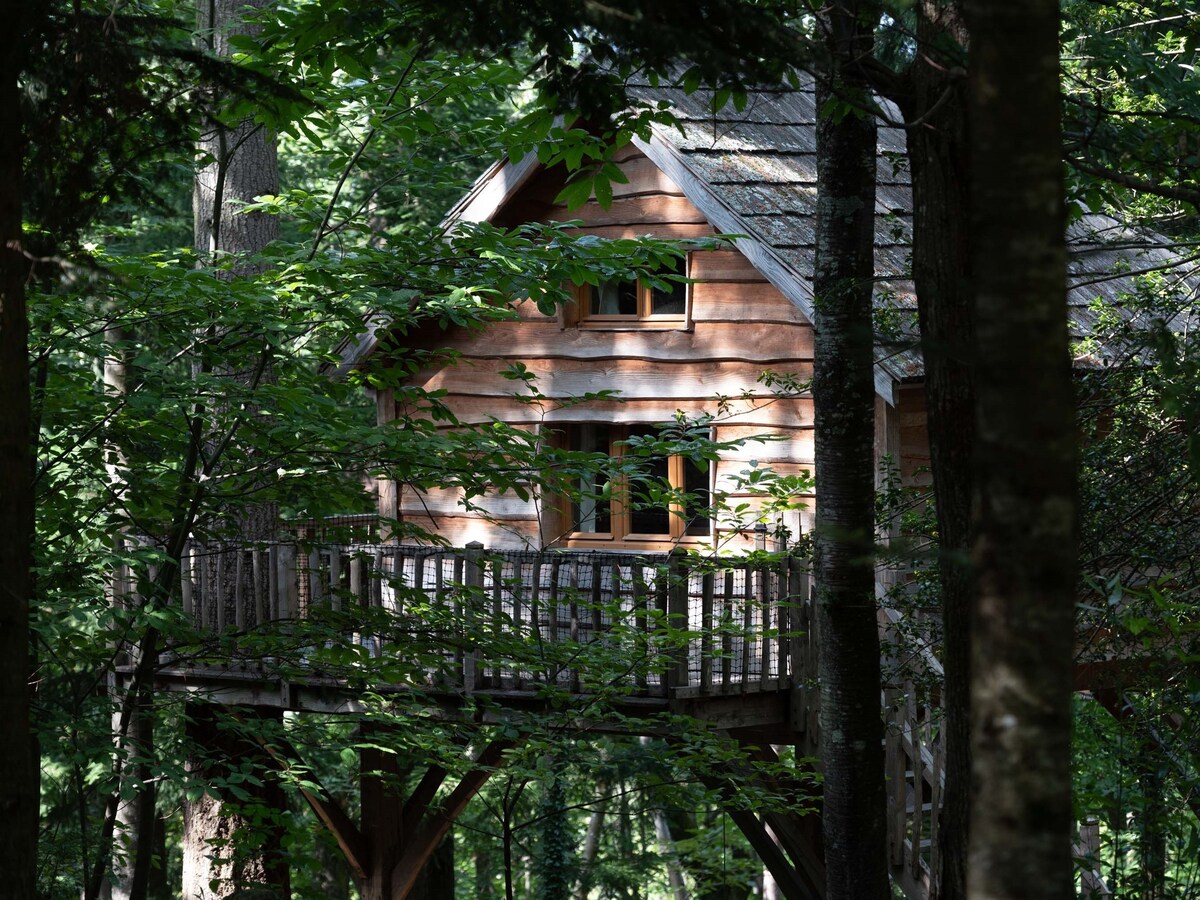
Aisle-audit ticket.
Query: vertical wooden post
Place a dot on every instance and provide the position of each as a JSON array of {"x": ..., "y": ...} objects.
[
  {"x": 518, "y": 584},
  {"x": 218, "y": 585},
  {"x": 375, "y": 595},
  {"x": 1091, "y": 884},
  {"x": 727, "y": 631},
  {"x": 289, "y": 585},
  {"x": 765, "y": 601},
  {"x": 596, "y": 600},
  {"x": 535, "y": 612},
  {"x": 552, "y": 610},
  {"x": 314, "y": 578},
  {"x": 377, "y": 579},
  {"x": 185, "y": 582},
  {"x": 335, "y": 578},
  {"x": 747, "y": 623},
  {"x": 458, "y": 605},
  {"x": 274, "y": 602},
  {"x": 797, "y": 597},
  {"x": 706, "y": 632},
  {"x": 239, "y": 593},
  {"x": 395, "y": 570},
  {"x": 382, "y": 819},
  {"x": 473, "y": 602},
  {"x": 897, "y": 765},
  {"x": 256, "y": 573},
  {"x": 573, "y": 622},
  {"x": 677, "y": 619},
  {"x": 497, "y": 616},
  {"x": 916, "y": 761},
  {"x": 640, "y": 641}
]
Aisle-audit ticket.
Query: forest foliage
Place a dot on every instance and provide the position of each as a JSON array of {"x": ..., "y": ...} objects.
[{"x": 384, "y": 116}]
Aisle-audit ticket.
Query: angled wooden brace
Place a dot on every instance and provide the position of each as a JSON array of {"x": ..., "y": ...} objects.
[
  {"x": 341, "y": 826},
  {"x": 424, "y": 841}
]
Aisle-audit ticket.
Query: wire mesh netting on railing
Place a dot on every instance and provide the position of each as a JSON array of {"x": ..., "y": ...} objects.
[{"x": 508, "y": 620}]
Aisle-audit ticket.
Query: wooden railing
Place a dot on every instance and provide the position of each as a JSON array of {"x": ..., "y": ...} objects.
[
  {"x": 509, "y": 620},
  {"x": 915, "y": 760},
  {"x": 687, "y": 627}
]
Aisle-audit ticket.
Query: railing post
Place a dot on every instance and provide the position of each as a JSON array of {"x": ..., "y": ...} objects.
[
  {"x": 706, "y": 632},
  {"x": 473, "y": 583},
  {"x": 335, "y": 578},
  {"x": 677, "y": 618},
  {"x": 289, "y": 587},
  {"x": 256, "y": 573},
  {"x": 219, "y": 585},
  {"x": 239, "y": 596},
  {"x": 185, "y": 581},
  {"x": 1091, "y": 882}
]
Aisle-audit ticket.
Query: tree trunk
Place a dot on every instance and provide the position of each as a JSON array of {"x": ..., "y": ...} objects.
[
  {"x": 591, "y": 842},
  {"x": 556, "y": 843},
  {"x": 844, "y": 394},
  {"x": 666, "y": 847},
  {"x": 133, "y": 841},
  {"x": 242, "y": 162},
  {"x": 232, "y": 847},
  {"x": 1152, "y": 825},
  {"x": 242, "y": 165},
  {"x": 18, "y": 754},
  {"x": 1026, "y": 509},
  {"x": 938, "y": 157}
]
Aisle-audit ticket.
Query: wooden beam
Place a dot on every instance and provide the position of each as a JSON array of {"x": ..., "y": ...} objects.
[
  {"x": 801, "y": 838},
  {"x": 341, "y": 826},
  {"x": 418, "y": 801},
  {"x": 794, "y": 883},
  {"x": 799, "y": 835},
  {"x": 421, "y": 845},
  {"x": 380, "y": 786}
]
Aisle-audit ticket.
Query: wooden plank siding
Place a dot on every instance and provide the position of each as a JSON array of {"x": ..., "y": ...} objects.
[
  {"x": 739, "y": 326},
  {"x": 913, "y": 429}
]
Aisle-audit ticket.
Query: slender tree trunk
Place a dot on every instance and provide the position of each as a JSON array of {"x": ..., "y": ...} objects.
[
  {"x": 1026, "y": 506},
  {"x": 591, "y": 843},
  {"x": 134, "y": 837},
  {"x": 843, "y": 390},
  {"x": 18, "y": 753},
  {"x": 1152, "y": 825},
  {"x": 939, "y": 161},
  {"x": 555, "y": 843},
  {"x": 666, "y": 846}
]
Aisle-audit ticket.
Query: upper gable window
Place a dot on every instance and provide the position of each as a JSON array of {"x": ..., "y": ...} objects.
[{"x": 636, "y": 304}]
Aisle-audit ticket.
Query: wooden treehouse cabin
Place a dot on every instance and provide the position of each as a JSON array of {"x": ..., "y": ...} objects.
[{"x": 721, "y": 636}]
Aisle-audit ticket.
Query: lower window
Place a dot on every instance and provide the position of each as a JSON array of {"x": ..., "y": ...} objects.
[{"x": 639, "y": 497}]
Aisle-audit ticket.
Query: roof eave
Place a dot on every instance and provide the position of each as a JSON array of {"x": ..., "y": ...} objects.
[
  {"x": 792, "y": 284},
  {"x": 491, "y": 190}
]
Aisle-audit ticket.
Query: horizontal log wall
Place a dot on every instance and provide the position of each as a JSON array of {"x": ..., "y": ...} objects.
[{"x": 740, "y": 326}]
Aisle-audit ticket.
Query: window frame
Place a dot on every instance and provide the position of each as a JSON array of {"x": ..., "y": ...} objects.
[
  {"x": 620, "y": 515},
  {"x": 645, "y": 320}
]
